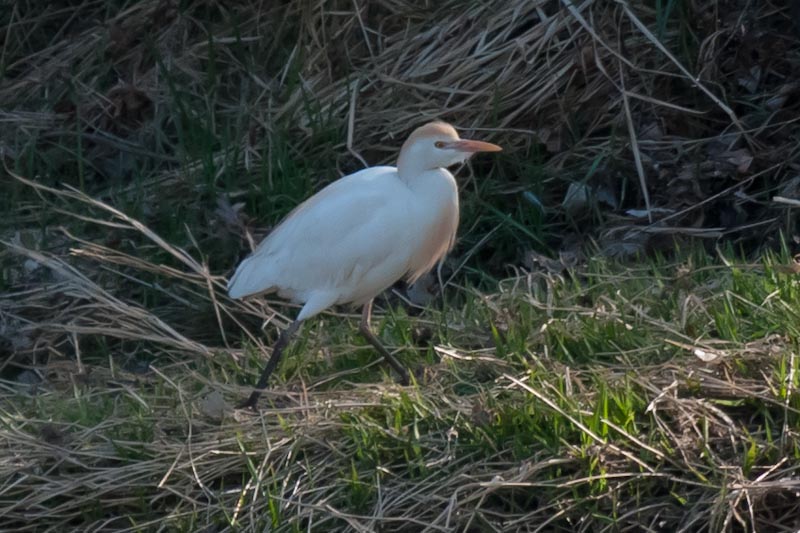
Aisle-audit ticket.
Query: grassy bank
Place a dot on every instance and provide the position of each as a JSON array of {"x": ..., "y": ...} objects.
[
  {"x": 611, "y": 345},
  {"x": 603, "y": 398}
]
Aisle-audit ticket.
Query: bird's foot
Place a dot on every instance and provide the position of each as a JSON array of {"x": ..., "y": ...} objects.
[
  {"x": 251, "y": 402},
  {"x": 404, "y": 379}
]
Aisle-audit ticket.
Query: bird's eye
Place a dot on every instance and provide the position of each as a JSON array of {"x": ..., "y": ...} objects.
[{"x": 439, "y": 144}]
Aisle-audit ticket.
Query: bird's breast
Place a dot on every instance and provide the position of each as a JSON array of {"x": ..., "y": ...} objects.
[{"x": 438, "y": 222}]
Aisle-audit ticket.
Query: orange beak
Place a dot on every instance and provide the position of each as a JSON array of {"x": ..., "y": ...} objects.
[{"x": 466, "y": 145}]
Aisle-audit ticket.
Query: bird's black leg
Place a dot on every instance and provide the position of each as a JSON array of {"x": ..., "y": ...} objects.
[
  {"x": 366, "y": 331},
  {"x": 277, "y": 351}
]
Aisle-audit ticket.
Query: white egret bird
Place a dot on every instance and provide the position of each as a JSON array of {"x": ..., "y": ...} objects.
[{"x": 360, "y": 234}]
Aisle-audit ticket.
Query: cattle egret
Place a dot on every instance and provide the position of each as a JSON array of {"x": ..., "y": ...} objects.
[{"x": 359, "y": 235}]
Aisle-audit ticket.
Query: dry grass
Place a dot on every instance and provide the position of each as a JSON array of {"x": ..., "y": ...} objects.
[
  {"x": 580, "y": 395},
  {"x": 690, "y": 108},
  {"x": 542, "y": 442}
]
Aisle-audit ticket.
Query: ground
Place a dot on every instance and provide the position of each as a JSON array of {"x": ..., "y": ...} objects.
[{"x": 612, "y": 344}]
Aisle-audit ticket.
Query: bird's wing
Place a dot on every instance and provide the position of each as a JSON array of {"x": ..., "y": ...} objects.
[{"x": 352, "y": 235}]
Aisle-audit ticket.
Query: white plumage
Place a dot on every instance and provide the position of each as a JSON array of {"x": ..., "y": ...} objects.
[
  {"x": 360, "y": 234},
  {"x": 352, "y": 240}
]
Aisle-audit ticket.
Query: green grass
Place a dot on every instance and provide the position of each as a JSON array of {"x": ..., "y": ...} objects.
[
  {"x": 587, "y": 393},
  {"x": 580, "y": 395}
]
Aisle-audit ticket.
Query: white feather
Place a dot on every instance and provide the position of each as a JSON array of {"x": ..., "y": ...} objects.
[
  {"x": 354, "y": 239},
  {"x": 360, "y": 234}
]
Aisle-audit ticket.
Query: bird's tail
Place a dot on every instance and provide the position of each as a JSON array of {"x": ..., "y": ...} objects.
[{"x": 250, "y": 278}]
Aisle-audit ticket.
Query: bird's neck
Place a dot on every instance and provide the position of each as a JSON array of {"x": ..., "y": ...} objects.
[
  {"x": 416, "y": 175},
  {"x": 432, "y": 186},
  {"x": 408, "y": 168}
]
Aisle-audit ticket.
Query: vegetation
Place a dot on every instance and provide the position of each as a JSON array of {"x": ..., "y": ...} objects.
[{"x": 611, "y": 346}]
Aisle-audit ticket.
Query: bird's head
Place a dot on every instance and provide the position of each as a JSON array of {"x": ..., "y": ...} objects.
[{"x": 437, "y": 145}]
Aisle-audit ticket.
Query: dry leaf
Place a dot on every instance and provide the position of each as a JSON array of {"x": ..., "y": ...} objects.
[
  {"x": 421, "y": 292},
  {"x": 705, "y": 356},
  {"x": 654, "y": 211},
  {"x": 577, "y": 197},
  {"x": 792, "y": 268},
  {"x": 535, "y": 261},
  {"x": 741, "y": 159},
  {"x": 230, "y": 214}
]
